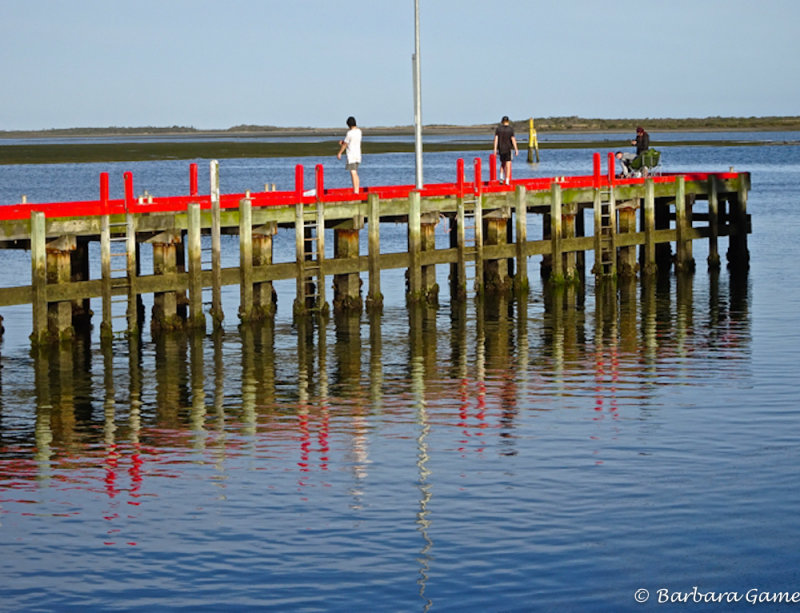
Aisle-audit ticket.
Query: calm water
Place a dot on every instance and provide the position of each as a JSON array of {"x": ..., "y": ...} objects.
[{"x": 483, "y": 456}]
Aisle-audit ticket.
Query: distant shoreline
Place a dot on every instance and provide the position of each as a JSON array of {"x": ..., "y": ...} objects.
[
  {"x": 188, "y": 143},
  {"x": 553, "y": 125}
]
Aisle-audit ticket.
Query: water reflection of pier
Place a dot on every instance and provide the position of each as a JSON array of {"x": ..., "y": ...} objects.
[{"x": 466, "y": 374}]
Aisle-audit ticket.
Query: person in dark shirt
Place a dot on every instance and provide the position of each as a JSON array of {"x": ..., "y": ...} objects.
[
  {"x": 504, "y": 142},
  {"x": 642, "y": 140}
]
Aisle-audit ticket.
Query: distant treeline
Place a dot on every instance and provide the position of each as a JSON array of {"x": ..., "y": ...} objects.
[
  {"x": 542, "y": 124},
  {"x": 579, "y": 124}
]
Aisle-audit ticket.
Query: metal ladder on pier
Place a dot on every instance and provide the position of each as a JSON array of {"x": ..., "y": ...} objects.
[
  {"x": 120, "y": 263},
  {"x": 473, "y": 230},
  {"x": 605, "y": 233},
  {"x": 313, "y": 282}
]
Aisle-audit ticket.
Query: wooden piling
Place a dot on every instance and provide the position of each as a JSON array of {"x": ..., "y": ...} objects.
[
  {"x": 414, "y": 293},
  {"x": 649, "y": 213},
  {"x": 662, "y": 222},
  {"x": 300, "y": 257},
  {"x": 59, "y": 271},
  {"x": 458, "y": 234},
  {"x": 165, "y": 262},
  {"x": 374, "y": 296},
  {"x": 479, "y": 280},
  {"x": 568, "y": 223},
  {"x": 521, "y": 238},
  {"x": 245, "y": 259},
  {"x": 106, "y": 325},
  {"x": 713, "y": 224},
  {"x": 346, "y": 287},
  {"x": 496, "y": 270},
  {"x": 132, "y": 273},
  {"x": 626, "y": 258},
  {"x": 557, "y": 271},
  {"x": 738, "y": 254},
  {"x": 197, "y": 319},
  {"x": 430, "y": 289},
  {"x": 80, "y": 271},
  {"x": 264, "y": 296},
  {"x": 684, "y": 261},
  {"x": 216, "y": 247},
  {"x": 39, "y": 277}
]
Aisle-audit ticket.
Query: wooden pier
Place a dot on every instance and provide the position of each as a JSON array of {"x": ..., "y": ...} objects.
[{"x": 635, "y": 224}]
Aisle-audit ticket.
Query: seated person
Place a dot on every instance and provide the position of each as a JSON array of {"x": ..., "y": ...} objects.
[{"x": 625, "y": 161}]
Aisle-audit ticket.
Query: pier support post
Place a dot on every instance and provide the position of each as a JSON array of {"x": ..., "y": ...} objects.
[
  {"x": 683, "y": 222},
  {"x": 374, "y": 296},
  {"x": 496, "y": 275},
  {"x": 713, "y": 224},
  {"x": 649, "y": 223},
  {"x": 81, "y": 308},
  {"x": 245, "y": 259},
  {"x": 557, "y": 270},
  {"x": 569, "y": 258},
  {"x": 663, "y": 250},
  {"x": 479, "y": 284},
  {"x": 430, "y": 288},
  {"x": 106, "y": 325},
  {"x": 39, "y": 277},
  {"x": 458, "y": 235},
  {"x": 216, "y": 247},
  {"x": 580, "y": 256},
  {"x": 414, "y": 293},
  {"x": 265, "y": 298},
  {"x": 194, "y": 238},
  {"x": 135, "y": 307},
  {"x": 347, "y": 287},
  {"x": 626, "y": 259},
  {"x": 56, "y": 266},
  {"x": 59, "y": 270},
  {"x": 521, "y": 286},
  {"x": 165, "y": 304},
  {"x": 738, "y": 254}
]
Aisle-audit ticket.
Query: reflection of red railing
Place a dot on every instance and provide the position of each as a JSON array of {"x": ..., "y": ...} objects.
[{"x": 177, "y": 204}]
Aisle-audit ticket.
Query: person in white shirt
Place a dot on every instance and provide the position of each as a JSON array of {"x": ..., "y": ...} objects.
[{"x": 351, "y": 144}]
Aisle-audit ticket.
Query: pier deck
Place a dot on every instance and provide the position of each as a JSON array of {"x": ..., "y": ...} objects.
[{"x": 488, "y": 231}]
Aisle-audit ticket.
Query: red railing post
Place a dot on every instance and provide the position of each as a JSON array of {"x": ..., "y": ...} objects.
[
  {"x": 597, "y": 170},
  {"x": 460, "y": 177},
  {"x": 492, "y": 168},
  {"x": 611, "y": 174},
  {"x": 193, "y": 179},
  {"x": 104, "y": 192},
  {"x": 319, "y": 181},
  {"x": 128, "y": 176},
  {"x": 298, "y": 181},
  {"x": 478, "y": 180}
]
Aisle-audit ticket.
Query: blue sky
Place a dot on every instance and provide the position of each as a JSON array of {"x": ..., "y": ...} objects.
[{"x": 211, "y": 64}]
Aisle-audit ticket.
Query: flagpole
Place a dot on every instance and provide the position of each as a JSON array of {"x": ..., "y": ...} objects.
[{"x": 417, "y": 99}]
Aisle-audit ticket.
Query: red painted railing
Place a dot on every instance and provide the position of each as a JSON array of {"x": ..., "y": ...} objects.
[{"x": 461, "y": 187}]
